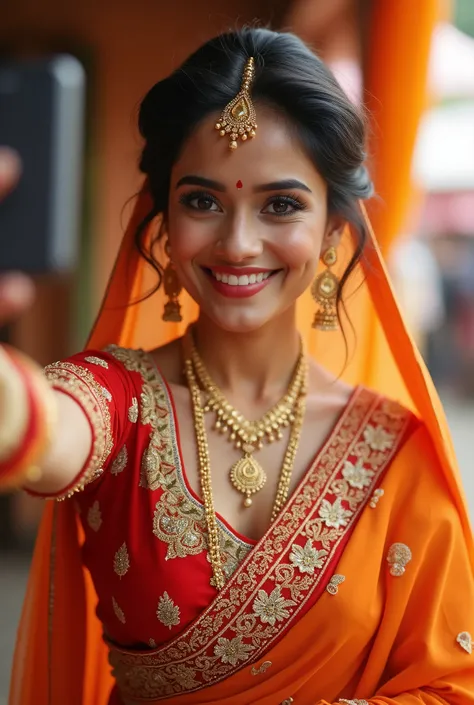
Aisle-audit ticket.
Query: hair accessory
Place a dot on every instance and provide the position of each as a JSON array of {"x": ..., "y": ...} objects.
[
  {"x": 173, "y": 288},
  {"x": 324, "y": 291},
  {"x": 238, "y": 119}
]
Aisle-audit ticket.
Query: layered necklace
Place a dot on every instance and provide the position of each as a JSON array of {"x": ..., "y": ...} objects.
[{"x": 246, "y": 475}]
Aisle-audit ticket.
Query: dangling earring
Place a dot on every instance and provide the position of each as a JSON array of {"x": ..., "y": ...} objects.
[
  {"x": 173, "y": 288},
  {"x": 324, "y": 292}
]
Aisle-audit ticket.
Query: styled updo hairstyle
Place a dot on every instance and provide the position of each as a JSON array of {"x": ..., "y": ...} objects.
[{"x": 289, "y": 78}]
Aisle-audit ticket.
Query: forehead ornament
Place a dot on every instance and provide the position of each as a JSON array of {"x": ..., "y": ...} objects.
[{"x": 238, "y": 119}]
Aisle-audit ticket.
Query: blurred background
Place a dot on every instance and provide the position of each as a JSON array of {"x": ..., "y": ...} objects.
[{"x": 411, "y": 62}]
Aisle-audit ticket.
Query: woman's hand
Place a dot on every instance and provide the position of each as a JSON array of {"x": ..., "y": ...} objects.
[{"x": 16, "y": 289}]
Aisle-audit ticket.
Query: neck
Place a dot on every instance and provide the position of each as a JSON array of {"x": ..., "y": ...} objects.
[{"x": 257, "y": 364}]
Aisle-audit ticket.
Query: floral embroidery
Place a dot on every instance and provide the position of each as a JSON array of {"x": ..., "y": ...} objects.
[
  {"x": 465, "y": 641},
  {"x": 82, "y": 386},
  {"x": 333, "y": 585},
  {"x": 122, "y": 561},
  {"x": 334, "y": 515},
  {"x": 261, "y": 600},
  {"x": 168, "y": 613},
  {"x": 118, "y": 612},
  {"x": 377, "y": 438},
  {"x": 308, "y": 558},
  {"x": 377, "y": 494},
  {"x": 133, "y": 411},
  {"x": 356, "y": 475},
  {"x": 272, "y": 608},
  {"x": 97, "y": 361},
  {"x": 94, "y": 517},
  {"x": 399, "y": 555},
  {"x": 152, "y": 643},
  {"x": 354, "y": 702},
  {"x": 120, "y": 462},
  {"x": 232, "y": 650}
]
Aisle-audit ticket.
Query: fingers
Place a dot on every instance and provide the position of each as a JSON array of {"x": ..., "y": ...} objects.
[
  {"x": 10, "y": 170},
  {"x": 16, "y": 295}
]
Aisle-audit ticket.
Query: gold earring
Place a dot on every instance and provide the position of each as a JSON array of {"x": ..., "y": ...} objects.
[
  {"x": 324, "y": 292},
  {"x": 173, "y": 288}
]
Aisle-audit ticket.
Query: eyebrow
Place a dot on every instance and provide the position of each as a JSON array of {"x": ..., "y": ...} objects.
[{"x": 283, "y": 185}]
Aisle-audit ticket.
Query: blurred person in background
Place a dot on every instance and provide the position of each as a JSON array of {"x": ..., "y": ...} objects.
[{"x": 238, "y": 523}]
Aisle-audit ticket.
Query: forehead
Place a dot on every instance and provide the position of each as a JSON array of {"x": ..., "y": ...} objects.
[{"x": 274, "y": 153}]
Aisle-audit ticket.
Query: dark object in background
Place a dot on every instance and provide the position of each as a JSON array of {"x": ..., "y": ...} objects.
[{"x": 42, "y": 118}]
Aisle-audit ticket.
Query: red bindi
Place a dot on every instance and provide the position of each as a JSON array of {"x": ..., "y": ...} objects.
[{"x": 239, "y": 184}]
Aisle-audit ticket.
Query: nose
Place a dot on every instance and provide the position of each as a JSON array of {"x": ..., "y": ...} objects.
[{"x": 238, "y": 240}]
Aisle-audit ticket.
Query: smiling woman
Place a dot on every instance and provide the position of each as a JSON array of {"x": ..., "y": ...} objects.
[{"x": 258, "y": 529}]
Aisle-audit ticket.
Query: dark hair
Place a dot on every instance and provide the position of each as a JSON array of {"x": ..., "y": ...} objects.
[{"x": 289, "y": 77}]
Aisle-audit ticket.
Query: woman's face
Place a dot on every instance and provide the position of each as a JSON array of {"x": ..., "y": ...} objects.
[{"x": 246, "y": 227}]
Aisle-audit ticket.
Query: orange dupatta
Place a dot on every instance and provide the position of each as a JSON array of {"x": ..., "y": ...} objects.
[{"x": 60, "y": 657}]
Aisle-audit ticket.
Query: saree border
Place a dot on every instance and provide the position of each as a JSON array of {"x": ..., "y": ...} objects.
[{"x": 288, "y": 569}]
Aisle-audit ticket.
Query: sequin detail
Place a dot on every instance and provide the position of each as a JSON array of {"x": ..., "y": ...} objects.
[
  {"x": 94, "y": 517},
  {"x": 133, "y": 411},
  {"x": 376, "y": 495},
  {"x": 118, "y": 612},
  {"x": 168, "y": 612},
  {"x": 120, "y": 462},
  {"x": 97, "y": 361},
  {"x": 122, "y": 561},
  {"x": 333, "y": 585},
  {"x": 398, "y": 557},
  {"x": 465, "y": 641},
  {"x": 256, "y": 671}
]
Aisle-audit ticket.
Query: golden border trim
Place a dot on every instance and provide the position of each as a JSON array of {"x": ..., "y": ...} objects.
[
  {"x": 81, "y": 385},
  {"x": 268, "y": 592}
]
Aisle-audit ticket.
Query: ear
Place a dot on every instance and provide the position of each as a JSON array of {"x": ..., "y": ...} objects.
[{"x": 334, "y": 228}]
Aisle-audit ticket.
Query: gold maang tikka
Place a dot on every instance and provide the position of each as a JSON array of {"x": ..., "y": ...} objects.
[{"x": 238, "y": 119}]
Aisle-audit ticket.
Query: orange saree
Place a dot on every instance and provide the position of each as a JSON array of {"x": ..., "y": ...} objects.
[{"x": 361, "y": 591}]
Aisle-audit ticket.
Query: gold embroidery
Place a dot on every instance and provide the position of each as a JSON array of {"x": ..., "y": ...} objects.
[
  {"x": 94, "y": 517},
  {"x": 354, "y": 702},
  {"x": 261, "y": 600},
  {"x": 399, "y": 555},
  {"x": 133, "y": 411},
  {"x": 334, "y": 515},
  {"x": 168, "y": 613},
  {"x": 272, "y": 608},
  {"x": 356, "y": 475},
  {"x": 465, "y": 641},
  {"x": 118, "y": 612},
  {"x": 122, "y": 561},
  {"x": 179, "y": 520},
  {"x": 333, "y": 585},
  {"x": 106, "y": 394},
  {"x": 377, "y": 438},
  {"x": 261, "y": 669},
  {"x": 97, "y": 361},
  {"x": 232, "y": 650},
  {"x": 308, "y": 558},
  {"x": 288, "y": 701},
  {"x": 82, "y": 386},
  {"x": 377, "y": 494},
  {"x": 152, "y": 643},
  {"x": 120, "y": 462}
]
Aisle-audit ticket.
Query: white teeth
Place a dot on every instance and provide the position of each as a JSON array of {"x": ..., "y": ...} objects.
[{"x": 243, "y": 280}]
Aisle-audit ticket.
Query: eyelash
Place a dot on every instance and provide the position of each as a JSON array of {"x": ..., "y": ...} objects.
[{"x": 289, "y": 199}]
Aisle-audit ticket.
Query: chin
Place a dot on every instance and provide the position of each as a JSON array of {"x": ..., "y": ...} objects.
[{"x": 238, "y": 321}]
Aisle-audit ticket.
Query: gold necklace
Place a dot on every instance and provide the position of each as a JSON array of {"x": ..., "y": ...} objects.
[
  {"x": 247, "y": 475},
  {"x": 218, "y": 580}
]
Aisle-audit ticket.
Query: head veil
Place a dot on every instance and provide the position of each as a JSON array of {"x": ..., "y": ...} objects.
[{"x": 60, "y": 657}]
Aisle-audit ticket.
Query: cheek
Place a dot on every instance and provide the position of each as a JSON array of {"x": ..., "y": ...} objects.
[
  {"x": 188, "y": 236},
  {"x": 299, "y": 247}
]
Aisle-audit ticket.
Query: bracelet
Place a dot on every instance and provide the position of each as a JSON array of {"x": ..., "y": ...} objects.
[{"x": 27, "y": 418}]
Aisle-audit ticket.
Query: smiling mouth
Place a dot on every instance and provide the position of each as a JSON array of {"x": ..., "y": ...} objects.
[{"x": 241, "y": 279}]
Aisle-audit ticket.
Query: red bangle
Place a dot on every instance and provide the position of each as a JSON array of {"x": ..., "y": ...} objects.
[{"x": 20, "y": 464}]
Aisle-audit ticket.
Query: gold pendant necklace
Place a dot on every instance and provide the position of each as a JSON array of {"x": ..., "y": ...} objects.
[
  {"x": 218, "y": 579},
  {"x": 247, "y": 474}
]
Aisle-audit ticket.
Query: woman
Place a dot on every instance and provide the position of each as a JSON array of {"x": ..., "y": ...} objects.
[{"x": 256, "y": 528}]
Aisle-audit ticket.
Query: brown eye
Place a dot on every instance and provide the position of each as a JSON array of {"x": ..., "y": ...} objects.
[
  {"x": 280, "y": 206},
  {"x": 203, "y": 202},
  {"x": 283, "y": 205}
]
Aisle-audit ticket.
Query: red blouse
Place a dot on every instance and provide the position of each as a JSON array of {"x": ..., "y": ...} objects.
[{"x": 145, "y": 529}]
